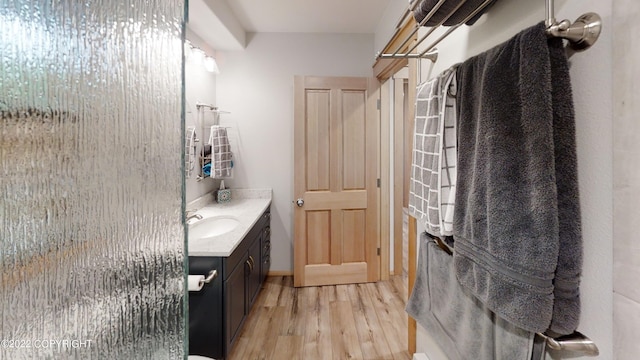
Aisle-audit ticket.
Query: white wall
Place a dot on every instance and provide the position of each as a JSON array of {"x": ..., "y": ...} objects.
[
  {"x": 256, "y": 86},
  {"x": 592, "y": 88},
  {"x": 200, "y": 87},
  {"x": 388, "y": 23},
  {"x": 626, "y": 176}
]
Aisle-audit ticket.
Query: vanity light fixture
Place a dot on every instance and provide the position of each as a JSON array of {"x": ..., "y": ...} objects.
[{"x": 199, "y": 56}]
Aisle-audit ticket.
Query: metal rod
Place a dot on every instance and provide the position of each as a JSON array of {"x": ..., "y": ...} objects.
[
  {"x": 433, "y": 55},
  {"x": 433, "y": 28},
  {"x": 582, "y": 34},
  {"x": 452, "y": 29},
  {"x": 575, "y": 342},
  {"x": 549, "y": 8},
  {"x": 407, "y": 11},
  {"x": 211, "y": 108},
  {"x": 422, "y": 22}
]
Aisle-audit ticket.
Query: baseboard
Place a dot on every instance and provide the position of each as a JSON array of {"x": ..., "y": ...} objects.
[{"x": 280, "y": 273}]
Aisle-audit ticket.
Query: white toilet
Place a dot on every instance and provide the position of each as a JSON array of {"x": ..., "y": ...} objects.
[{"x": 198, "y": 357}]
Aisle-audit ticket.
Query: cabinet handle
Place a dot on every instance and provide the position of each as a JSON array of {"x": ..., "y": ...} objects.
[
  {"x": 213, "y": 274},
  {"x": 250, "y": 266},
  {"x": 253, "y": 262}
]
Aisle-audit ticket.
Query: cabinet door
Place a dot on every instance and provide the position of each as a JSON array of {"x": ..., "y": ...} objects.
[
  {"x": 253, "y": 275},
  {"x": 205, "y": 310},
  {"x": 234, "y": 299}
]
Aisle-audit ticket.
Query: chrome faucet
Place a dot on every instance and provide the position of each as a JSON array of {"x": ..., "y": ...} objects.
[{"x": 191, "y": 216}]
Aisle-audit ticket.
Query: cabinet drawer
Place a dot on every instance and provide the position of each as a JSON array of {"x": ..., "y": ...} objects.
[{"x": 266, "y": 248}]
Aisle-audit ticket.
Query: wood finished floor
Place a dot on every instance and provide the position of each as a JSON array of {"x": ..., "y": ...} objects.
[{"x": 360, "y": 321}]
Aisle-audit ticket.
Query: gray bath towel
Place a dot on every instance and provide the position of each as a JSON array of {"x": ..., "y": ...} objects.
[
  {"x": 517, "y": 217},
  {"x": 460, "y": 12},
  {"x": 462, "y": 326}
]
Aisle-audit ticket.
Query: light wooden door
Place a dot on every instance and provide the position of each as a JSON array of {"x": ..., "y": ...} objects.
[{"x": 336, "y": 170}]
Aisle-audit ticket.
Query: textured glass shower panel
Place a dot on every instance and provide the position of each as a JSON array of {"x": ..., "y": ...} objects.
[{"x": 91, "y": 234}]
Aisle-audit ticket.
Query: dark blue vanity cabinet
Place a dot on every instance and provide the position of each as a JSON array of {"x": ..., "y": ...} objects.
[{"x": 216, "y": 315}]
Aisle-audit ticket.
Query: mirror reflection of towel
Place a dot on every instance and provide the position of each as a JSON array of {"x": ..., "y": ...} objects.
[{"x": 220, "y": 152}]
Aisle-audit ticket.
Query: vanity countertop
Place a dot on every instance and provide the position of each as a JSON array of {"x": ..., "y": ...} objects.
[{"x": 245, "y": 205}]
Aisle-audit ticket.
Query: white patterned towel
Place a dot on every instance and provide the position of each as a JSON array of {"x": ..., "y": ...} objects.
[
  {"x": 433, "y": 167},
  {"x": 220, "y": 152}
]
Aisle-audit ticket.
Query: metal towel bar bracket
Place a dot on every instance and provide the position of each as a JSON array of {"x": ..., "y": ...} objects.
[
  {"x": 575, "y": 342},
  {"x": 581, "y": 34},
  {"x": 213, "y": 274}
]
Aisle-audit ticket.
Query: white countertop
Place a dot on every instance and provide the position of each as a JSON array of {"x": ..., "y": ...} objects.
[{"x": 245, "y": 205}]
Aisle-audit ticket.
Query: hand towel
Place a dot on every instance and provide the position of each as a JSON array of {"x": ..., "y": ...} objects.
[
  {"x": 433, "y": 173},
  {"x": 517, "y": 216},
  {"x": 462, "y": 326},
  {"x": 461, "y": 10},
  {"x": 220, "y": 152}
]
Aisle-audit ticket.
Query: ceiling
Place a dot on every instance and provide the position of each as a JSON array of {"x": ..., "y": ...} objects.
[
  {"x": 309, "y": 16},
  {"x": 224, "y": 23}
]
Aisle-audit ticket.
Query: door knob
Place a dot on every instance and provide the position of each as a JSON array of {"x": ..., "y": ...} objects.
[{"x": 300, "y": 202}]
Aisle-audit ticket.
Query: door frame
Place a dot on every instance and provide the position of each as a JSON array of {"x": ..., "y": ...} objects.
[{"x": 384, "y": 69}]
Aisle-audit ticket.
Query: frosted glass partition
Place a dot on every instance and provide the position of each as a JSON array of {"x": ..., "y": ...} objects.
[{"x": 92, "y": 247}]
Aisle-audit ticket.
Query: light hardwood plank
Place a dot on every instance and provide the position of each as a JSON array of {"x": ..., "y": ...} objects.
[
  {"x": 288, "y": 347},
  {"x": 352, "y": 321},
  {"x": 269, "y": 319},
  {"x": 239, "y": 349},
  {"x": 295, "y": 317},
  {"x": 271, "y": 291},
  {"x": 371, "y": 334},
  {"x": 317, "y": 336},
  {"x": 342, "y": 292},
  {"x": 344, "y": 336},
  {"x": 388, "y": 321}
]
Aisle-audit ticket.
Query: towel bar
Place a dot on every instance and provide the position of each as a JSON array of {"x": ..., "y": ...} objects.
[
  {"x": 576, "y": 342},
  {"x": 581, "y": 34}
]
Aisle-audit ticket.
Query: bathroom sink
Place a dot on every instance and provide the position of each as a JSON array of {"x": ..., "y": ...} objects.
[{"x": 212, "y": 226}]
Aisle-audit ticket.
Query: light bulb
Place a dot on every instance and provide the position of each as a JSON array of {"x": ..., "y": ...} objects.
[
  {"x": 210, "y": 65},
  {"x": 197, "y": 55}
]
